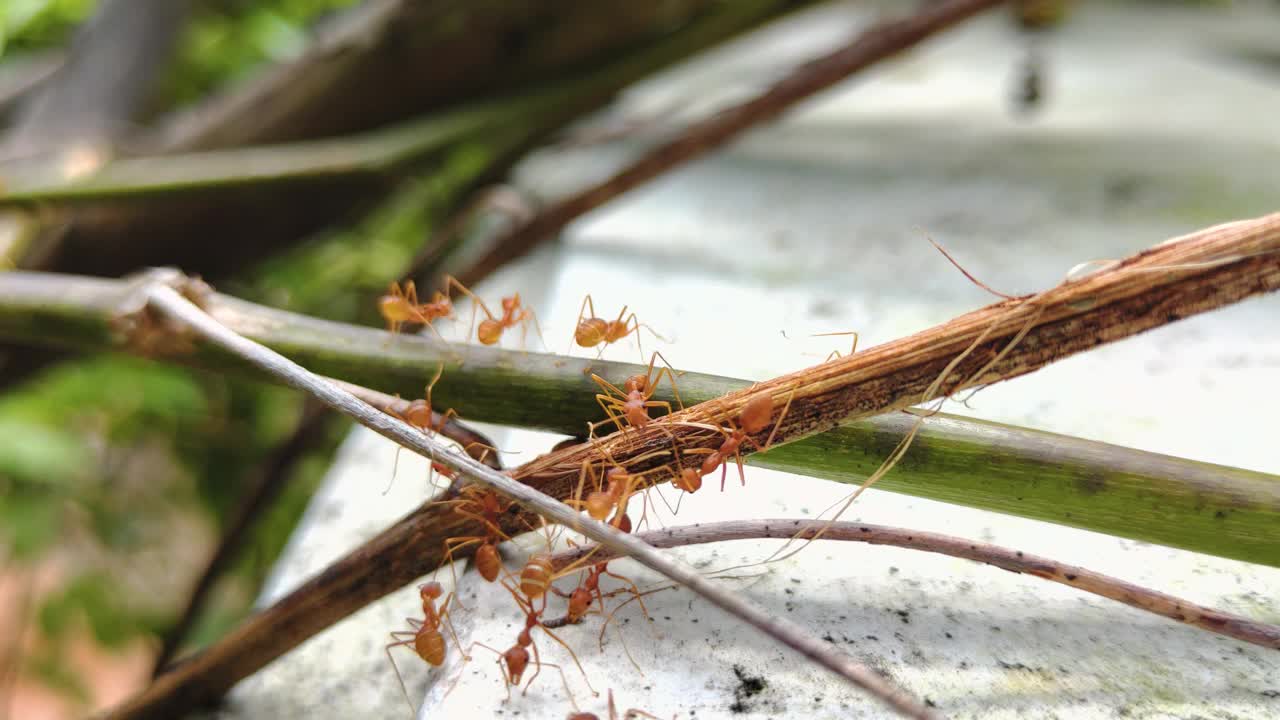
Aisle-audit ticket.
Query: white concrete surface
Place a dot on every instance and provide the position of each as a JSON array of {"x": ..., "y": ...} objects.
[{"x": 1158, "y": 122}]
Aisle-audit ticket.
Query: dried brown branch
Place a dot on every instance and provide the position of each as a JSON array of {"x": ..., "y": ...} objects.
[
  {"x": 877, "y": 43},
  {"x": 1015, "y": 561},
  {"x": 1202, "y": 271},
  {"x": 1181, "y": 277}
]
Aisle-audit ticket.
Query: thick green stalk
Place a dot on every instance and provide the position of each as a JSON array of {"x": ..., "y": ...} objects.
[{"x": 1157, "y": 498}]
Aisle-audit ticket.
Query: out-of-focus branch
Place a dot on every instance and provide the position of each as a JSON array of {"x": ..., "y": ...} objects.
[
  {"x": 109, "y": 73},
  {"x": 876, "y": 43}
]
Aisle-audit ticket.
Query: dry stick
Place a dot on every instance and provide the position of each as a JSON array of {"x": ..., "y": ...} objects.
[
  {"x": 169, "y": 302},
  {"x": 871, "y": 46},
  {"x": 1016, "y": 561},
  {"x": 1193, "y": 274},
  {"x": 1220, "y": 265}
]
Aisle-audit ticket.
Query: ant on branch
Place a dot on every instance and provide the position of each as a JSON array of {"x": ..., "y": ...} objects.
[
  {"x": 483, "y": 505},
  {"x": 630, "y": 406},
  {"x": 424, "y": 635},
  {"x": 753, "y": 419},
  {"x": 401, "y": 306},
  {"x": 513, "y": 313},
  {"x": 591, "y": 331}
]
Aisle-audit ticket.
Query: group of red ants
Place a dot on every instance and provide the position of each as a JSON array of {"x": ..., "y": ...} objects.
[{"x": 627, "y": 407}]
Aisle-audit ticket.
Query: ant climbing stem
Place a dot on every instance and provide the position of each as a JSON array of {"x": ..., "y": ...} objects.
[
  {"x": 513, "y": 313},
  {"x": 591, "y": 331},
  {"x": 424, "y": 635},
  {"x": 630, "y": 406},
  {"x": 753, "y": 419},
  {"x": 400, "y": 306},
  {"x": 420, "y": 415}
]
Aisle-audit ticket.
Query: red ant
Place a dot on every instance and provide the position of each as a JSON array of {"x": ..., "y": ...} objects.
[
  {"x": 535, "y": 579},
  {"x": 636, "y": 395},
  {"x": 424, "y": 636},
  {"x": 399, "y": 306},
  {"x": 613, "y": 713},
  {"x": 480, "y": 504},
  {"x": 491, "y": 328},
  {"x": 753, "y": 419},
  {"x": 419, "y": 414},
  {"x": 591, "y": 331}
]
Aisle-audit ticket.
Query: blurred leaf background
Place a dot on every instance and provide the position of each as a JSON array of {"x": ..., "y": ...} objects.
[{"x": 118, "y": 474}]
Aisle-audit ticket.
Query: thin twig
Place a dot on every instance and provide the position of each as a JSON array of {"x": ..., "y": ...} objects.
[
  {"x": 170, "y": 303},
  {"x": 877, "y": 43},
  {"x": 1016, "y": 561}
]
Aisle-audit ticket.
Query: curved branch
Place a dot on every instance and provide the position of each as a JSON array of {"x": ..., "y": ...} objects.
[{"x": 1015, "y": 561}]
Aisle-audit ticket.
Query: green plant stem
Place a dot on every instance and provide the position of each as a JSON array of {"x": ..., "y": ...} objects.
[{"x": 1196, "y": 506}]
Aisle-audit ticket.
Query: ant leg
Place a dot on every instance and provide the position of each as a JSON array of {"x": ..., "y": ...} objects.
[
  {"x": 467, "y": 654},
  {"x": 670, "y": 372},
  {"x": 610, "y": 406},
  {"x": 452, "y": 545},
  {"x": 525, "y": 317},
  {"x": 563, "y": 680},
  {"x": 573, "y": 655},
  {"x": 836, "y": 353},
  {"x": 586, "y": 302},
  {"x": 445, "y": 616},
  {"x": 396, "y": 668}
]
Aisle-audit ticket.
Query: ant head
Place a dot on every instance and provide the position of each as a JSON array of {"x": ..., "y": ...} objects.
[
  {"x": 394, "y": 308},
  {"x": 688, "y": 481},
  {"x": 490, "y": 331},
  {"x": 430, "y": 591},
  {"x": 591, "y": 332},
  {"x": 615, "y": 330},
  {"x": 509, "y": 304},
  {"x": 637, "y": 383},
  {"x": 517, "y": 659}
]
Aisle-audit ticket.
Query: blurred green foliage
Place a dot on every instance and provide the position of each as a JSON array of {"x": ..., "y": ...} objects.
[
  {"x": 37, "y": 24},
  {"x": 226, "y": 40}
]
